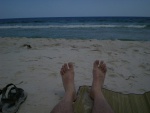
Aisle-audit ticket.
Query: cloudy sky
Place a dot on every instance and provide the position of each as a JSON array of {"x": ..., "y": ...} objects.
[{"x": 73, "y": 8}]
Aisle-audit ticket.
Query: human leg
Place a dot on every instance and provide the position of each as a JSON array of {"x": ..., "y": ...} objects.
[
  {"x": 65, "y": 106},
  {"x": 100, "y": 103}
]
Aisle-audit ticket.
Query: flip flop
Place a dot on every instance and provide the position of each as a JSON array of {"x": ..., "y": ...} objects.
[{"x": 12, "y": 98}]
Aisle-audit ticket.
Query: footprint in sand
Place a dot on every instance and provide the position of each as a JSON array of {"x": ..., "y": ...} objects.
[
  {"x": 125, "y": 61},
  {"x": 18, "y": 73},
  {"x": 73, "y": 46},
  {"x": 75, "y": 49},
  {"x": 96, "y": 45},
  {"x": 136, "y": 50},
  {"x": 110, "y": 69},
  {"x": 96, "y": 50},
  {"x": 121, "y": 75},
  {"x": 146, "y": 52},
  {"x": 113, "y": 62},
  {"x": 52, "y": 74},
  {"x": 112, "y": 75},
  {"x": 130, "y": 84},
  {"x": 109, "y": 53},
  {"x": 147, "y": 74},
  {"x": 57, "y": 44},
  {"x": 32, "y": 68},
  {"x": 142, "y": 90},
  {"x": 129, "y": 77},
  {"x": 142, "y": 66}
]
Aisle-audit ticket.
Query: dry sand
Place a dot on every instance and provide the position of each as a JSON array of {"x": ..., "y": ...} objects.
[{"x": 36, "y": 70}]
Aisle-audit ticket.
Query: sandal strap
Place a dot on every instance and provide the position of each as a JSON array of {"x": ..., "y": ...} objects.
[
  {"x": 5, "y": 88},
  {"x": 9, "y": 98}
]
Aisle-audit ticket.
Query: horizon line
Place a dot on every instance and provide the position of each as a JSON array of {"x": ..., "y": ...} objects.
[{"x": 77, "y": 17}]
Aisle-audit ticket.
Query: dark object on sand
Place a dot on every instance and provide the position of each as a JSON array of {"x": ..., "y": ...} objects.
[
  {"x": 12, "y": 98},
  {"x": 27, "y": 45}
]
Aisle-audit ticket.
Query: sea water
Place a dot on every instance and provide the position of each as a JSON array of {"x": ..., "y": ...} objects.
[{"x": 102, "y": 28}]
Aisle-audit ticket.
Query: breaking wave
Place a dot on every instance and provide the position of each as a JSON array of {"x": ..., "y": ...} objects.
[{"x": 71, "y": 26}]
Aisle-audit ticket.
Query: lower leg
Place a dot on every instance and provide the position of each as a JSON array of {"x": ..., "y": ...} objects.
[
  {"x": 65, "y": 106},
  {"x": 100, "y": 103}
]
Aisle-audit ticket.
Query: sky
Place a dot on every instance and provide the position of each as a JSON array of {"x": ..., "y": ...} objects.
[{"x": 73, "y": 8}]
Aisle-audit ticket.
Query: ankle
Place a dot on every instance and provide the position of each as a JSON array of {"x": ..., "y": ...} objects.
[
  {"x": 70, "y": 92},
  {"x": 96, "y": 93},
  {"x": 71, "y": 95}
]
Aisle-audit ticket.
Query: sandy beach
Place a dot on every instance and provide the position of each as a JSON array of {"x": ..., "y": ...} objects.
[{"x": 36, "y": 69}]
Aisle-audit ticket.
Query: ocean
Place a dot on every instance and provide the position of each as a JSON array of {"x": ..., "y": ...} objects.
[{"x": 102, "y": 28}]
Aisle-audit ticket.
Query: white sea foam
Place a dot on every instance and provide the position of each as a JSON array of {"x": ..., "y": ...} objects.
[{"x": 71, "y": 26}]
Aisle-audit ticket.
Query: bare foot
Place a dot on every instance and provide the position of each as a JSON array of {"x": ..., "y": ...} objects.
[
  {"x": 67, "y": 73},
  {"x": 99, "y": 72}
]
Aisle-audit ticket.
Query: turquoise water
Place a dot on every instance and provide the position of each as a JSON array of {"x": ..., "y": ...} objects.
[{"x": 102, "y": 28}]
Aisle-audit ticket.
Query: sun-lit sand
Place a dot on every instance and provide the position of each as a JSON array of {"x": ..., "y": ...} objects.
[{"x": 36, "y": 70}]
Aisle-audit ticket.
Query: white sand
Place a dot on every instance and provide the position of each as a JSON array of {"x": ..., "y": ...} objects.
[{"x": 36, "y": 70}]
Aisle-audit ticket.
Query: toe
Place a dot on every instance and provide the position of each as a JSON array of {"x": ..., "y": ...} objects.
[
  {"x": 65, "y": 67},
  {"x": 101, "y": 64},
  {"x": 103, "y": 67},
  {"x": 61, "y": 72},
  {"x": 70, "y": 65},
  {"x": 96, "y": 63}
]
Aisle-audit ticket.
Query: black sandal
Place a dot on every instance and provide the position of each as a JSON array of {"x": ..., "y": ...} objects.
[{"x": 12, "y": 98}]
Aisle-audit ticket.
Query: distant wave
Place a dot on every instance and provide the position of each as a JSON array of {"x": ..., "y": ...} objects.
[{"x": 72, "y": 26}]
